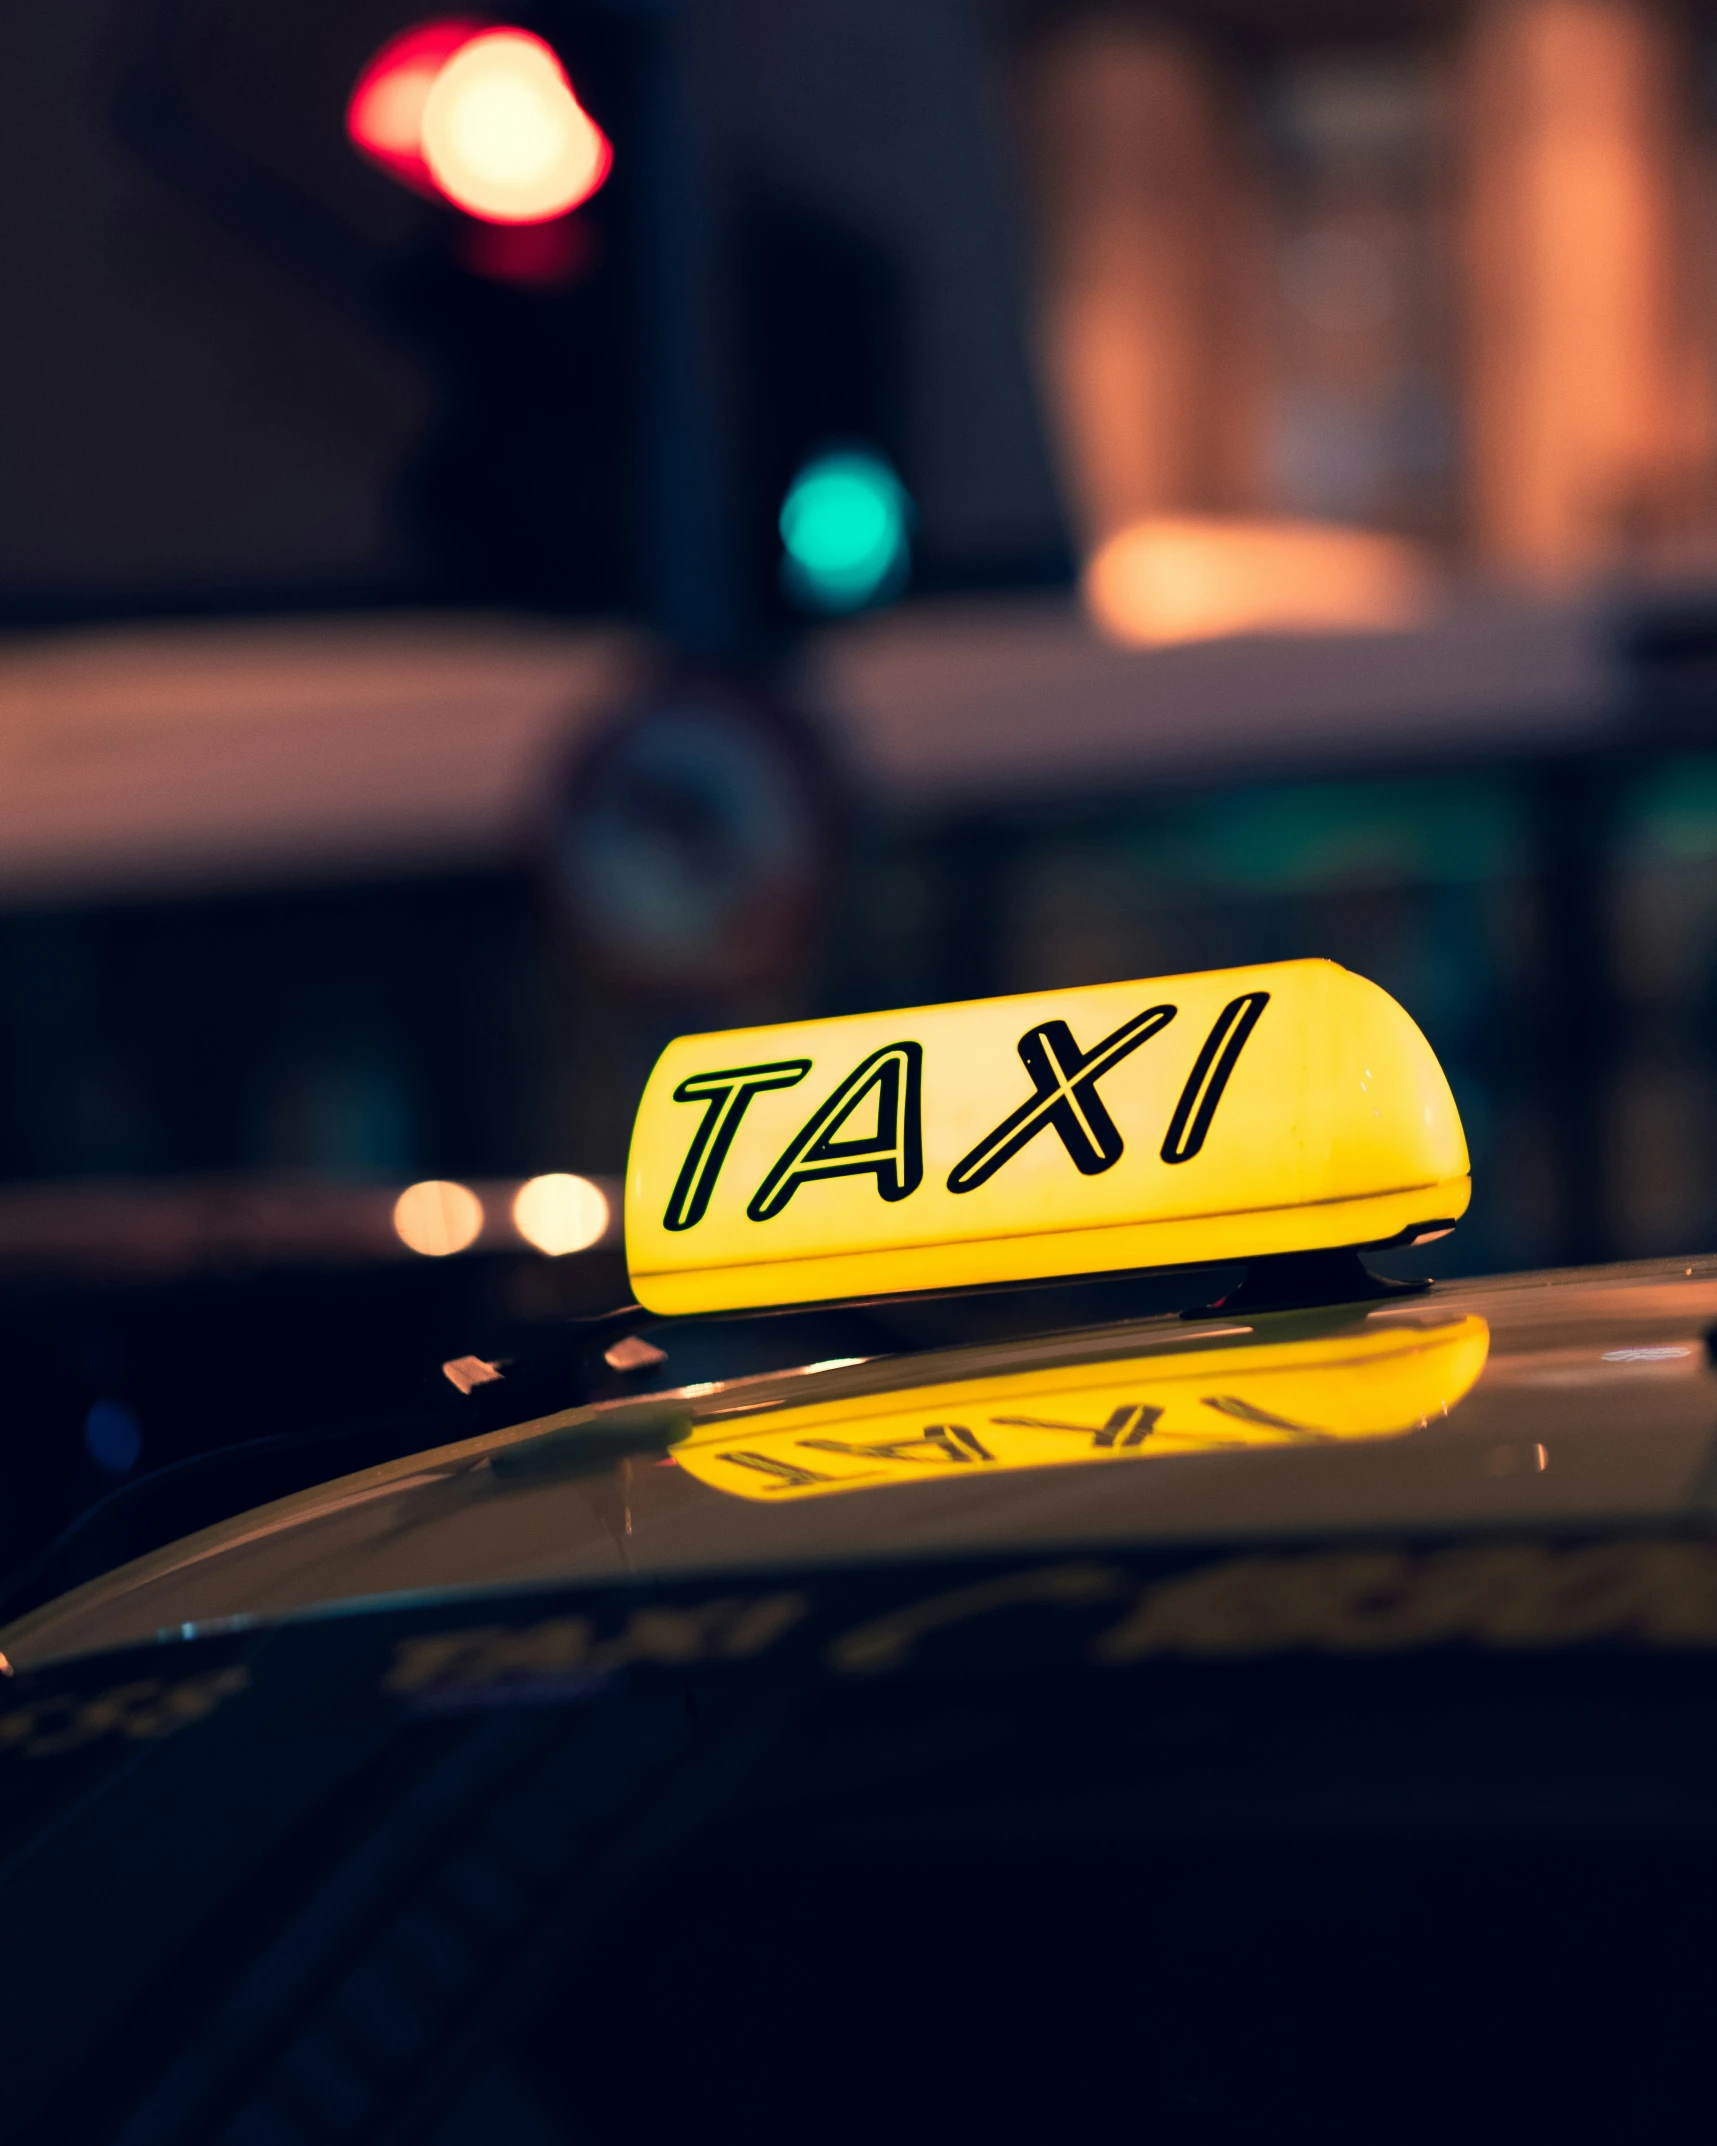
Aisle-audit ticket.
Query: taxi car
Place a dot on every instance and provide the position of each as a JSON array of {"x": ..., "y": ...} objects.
[{"x": 1018, "y": 1630}]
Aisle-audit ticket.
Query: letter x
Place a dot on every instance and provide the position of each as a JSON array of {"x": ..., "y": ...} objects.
[{"x": 1065, "y": 1082}]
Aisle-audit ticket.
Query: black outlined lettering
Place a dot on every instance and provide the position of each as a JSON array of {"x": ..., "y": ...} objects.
[
  {"x": 725, "y": 1097},
  {"x": 1209, "y": 1076},
  {"x": 1064, "y": 1081},
  {"x": 895, "y": 1151}
]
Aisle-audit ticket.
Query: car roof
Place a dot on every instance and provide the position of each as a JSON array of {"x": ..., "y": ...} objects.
[{"x": 1565, "y": 1400}]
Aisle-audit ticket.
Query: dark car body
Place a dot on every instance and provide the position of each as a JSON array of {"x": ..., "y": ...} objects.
[{"x": 1289, "y": 1776}]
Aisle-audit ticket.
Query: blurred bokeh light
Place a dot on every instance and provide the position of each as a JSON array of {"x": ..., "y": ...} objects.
[
  {"x": 113, "y": 1436},
  {"x": 845, "y": 527},
  {"x": 560, "y": 1213},
  {"x": 484, "y": 117},
  {"x": 438, "y": 1217},
  {"x": 384, "y": 117},
  {"x": 1190, "y": 577},
  {"x": 503, "y": 135}
]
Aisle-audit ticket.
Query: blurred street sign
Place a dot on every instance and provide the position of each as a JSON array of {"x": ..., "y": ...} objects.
[{"x": 692, "y": 846}]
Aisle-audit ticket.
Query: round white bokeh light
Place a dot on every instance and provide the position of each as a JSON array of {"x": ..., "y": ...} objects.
[
  {"x": 437, "y": 1217},
  {"x": 560, "y": 1213}
]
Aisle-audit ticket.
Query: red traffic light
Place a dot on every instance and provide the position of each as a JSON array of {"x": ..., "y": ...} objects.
[
  {"x": 483, "y": 116},
  {"x": 384, "y": 117}
]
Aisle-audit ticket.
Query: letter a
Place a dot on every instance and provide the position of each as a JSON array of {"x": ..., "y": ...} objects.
[{"x": 895, "y": 1151}]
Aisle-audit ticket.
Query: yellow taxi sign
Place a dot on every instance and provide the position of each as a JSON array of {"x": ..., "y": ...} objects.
[
  {"x": 1226, "y": 1115},
  {"x": 1210, "y": 1394}
]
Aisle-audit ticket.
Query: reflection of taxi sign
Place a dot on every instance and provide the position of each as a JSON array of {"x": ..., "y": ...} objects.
[
  {"x": 1227, "y": 1115},
  {"x": 1204, "y": 1395}
]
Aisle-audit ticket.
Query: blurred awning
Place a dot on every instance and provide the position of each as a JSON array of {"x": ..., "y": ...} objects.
[
  {"x": 141, "y": 760},
  {"x": 994, "y": 700}
]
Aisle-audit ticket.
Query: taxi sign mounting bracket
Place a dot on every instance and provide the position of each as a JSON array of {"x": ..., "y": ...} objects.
[{"x": 1294, "y": 1281}]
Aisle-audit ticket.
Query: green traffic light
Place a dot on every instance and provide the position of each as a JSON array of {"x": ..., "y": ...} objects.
[{"x": 844, "y": 524}]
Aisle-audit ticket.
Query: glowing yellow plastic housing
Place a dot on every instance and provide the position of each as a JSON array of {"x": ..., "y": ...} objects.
[
  {"x": 1203, "y": 1397},
  {"x": 1226, "y": 1115}
]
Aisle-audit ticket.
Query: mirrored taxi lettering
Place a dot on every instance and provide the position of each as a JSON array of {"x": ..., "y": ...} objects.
[
  {"x": 1515, "y": 1596},
  {"x": 944, "y": 1445},
  {"x": 783, "y": 1474},
  {"x": 1130, "y": 1424},
  {"x": 733, "y": 1628},
  {"x": 143, "y": 1711},
  {"x": 1211, "y": 1394},
  {"x": 888, "y": 1641},
  {"x": 936, "y": 1443},
  {"x": 1503, "y": 1595}
]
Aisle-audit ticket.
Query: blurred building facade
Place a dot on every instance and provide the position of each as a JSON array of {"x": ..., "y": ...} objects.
[
  {"x": 1450, "y": 281},
  {"x": 1436, "y": 275}
]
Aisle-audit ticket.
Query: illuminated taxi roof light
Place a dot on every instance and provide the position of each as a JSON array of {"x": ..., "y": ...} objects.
[
  {"x": 503, "y": 135},
  {"x": 560, "y": 1213},
  {"x": 438, "y": 1218},
  {"x": 1222, "y": 1116}
]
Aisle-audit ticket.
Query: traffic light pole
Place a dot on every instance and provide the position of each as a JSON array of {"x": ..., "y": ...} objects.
[{"x": 692, "y": 588}]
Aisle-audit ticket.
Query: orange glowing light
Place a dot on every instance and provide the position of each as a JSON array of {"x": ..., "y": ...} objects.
[
  {"x": 503, "y": 135},
  {"x": 560, "y": 1213},
  {"x": 437, "y": 1218},
  {"x": 1194, "y": 577},
  {"x": 384, "y": 117}
]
